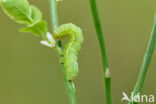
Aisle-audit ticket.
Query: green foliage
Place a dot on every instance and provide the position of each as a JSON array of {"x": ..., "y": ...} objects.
[
  {"x": 38, "y": 28},
  {"x": 19, "y": 10},
  {"x": 36, "y": 15},
  {"x": 22, "y": 12}
]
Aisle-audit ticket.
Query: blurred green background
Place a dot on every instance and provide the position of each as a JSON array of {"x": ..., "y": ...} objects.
[{"x": 30, "y": 73}]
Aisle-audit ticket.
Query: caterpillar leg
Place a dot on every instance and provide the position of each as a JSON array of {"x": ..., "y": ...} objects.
[{"x": 62, "y": 60}]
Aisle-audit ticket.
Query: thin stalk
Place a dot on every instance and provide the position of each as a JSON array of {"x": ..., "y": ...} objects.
[
  {"x": 69, "y": 85},
  {"x": 145, "y": 64},
  {"x": 100, "y": 36}
]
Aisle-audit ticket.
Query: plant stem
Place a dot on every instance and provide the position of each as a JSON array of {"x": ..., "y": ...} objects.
[
  {"x": 145, "y": 64},
  {"x": 100, "y": 36},
  {"x": 69, "y": 85}
]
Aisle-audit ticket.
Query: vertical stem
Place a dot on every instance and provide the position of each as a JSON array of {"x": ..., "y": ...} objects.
[
  {"x": 145, "y": 64},
  {"x": 100, "y": 36},
  {"x": 69, "y": 85},
  {"x": 53, "y": 14}
]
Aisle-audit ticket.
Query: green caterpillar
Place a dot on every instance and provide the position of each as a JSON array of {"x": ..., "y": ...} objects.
[{"x": 71, "y": 49}]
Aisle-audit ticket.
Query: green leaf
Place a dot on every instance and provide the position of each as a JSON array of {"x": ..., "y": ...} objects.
[
  {"x": 19, "y": 10},
  {"x": 22, "y": 12},
  {"x": 36, "y": 14},
  {"x": 38, "y": 28}
]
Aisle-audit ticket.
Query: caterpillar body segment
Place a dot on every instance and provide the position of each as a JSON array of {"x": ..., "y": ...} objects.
[{"x": 72, "y": 47}]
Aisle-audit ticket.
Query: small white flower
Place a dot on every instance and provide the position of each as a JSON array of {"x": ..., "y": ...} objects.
[
  {"x": 43, "y": 42},
  {"x": 51, "y": 39}
]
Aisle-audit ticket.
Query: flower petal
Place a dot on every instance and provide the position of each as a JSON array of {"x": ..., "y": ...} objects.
[
  {"x": 50, "y": 38},
  {"x": 43, "y": 42}
]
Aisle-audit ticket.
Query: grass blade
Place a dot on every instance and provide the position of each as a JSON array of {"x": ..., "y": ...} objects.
[
  {"x": 145, "y": 64},
  {"x": 100, "y": 36}
]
